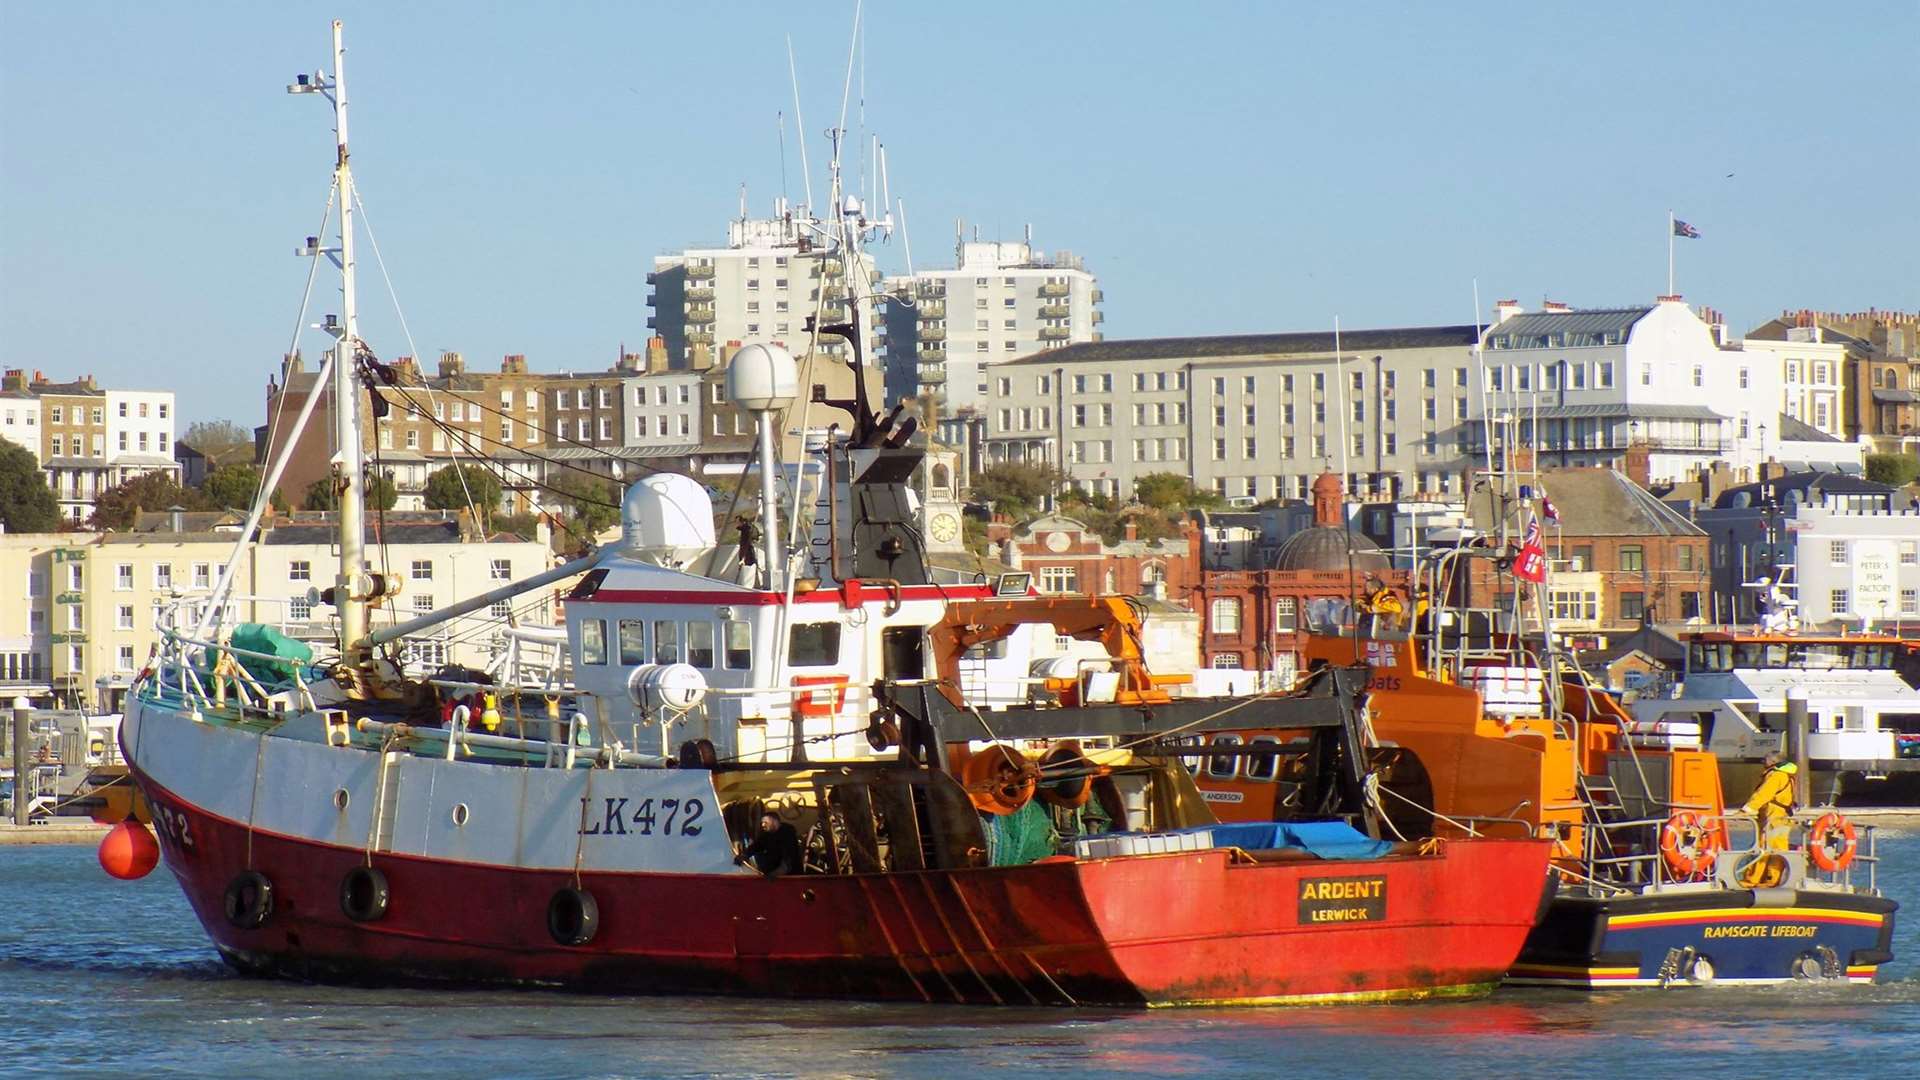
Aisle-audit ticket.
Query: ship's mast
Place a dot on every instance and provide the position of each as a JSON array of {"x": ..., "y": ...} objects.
[{"x": 351, "y": 481}]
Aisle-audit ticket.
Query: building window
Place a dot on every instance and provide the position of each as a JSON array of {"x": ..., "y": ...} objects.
[
  {"x": 163, "y": 575},
  {"x": 1059, "y": 579},
  {"x": 1633, "y": 558},
  {"x": 1910, "y": 601},
  {"x": 1226, "y": 661},
  {"x": 500, "y": 609},
  {"x": 1837, "y": 552},
  {"x": 123, "y": 577},
  {"x": 123, "y": 617},
  {"x": 1839, "y": 601},
  {"x": 1226, "y": 615},
  {"x": 1633, "y": 606},
  {"x": 422, "y": 602},
  {"x": 299, "y": 609},
  {"x": 123, "y": 659},
  {"x": 1286, "y": 614},
  {"x": 500, "y": 570},
  {"x": 422, "y": 570},
  {"x": 1909, "y": 552}
]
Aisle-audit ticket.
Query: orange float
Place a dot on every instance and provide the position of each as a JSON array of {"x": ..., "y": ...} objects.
[
  {"x": 129, "y": 851},
  {"x": 1688, "y": 845},
  {"x": 1833, "y": 843}
]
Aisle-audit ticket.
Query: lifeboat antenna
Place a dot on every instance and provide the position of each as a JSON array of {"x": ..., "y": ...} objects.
[{"x": 349, "y": 597}]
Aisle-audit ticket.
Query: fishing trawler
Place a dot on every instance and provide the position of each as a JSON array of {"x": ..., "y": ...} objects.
[
  {"x": 1485, "y": 728},
  {"x": 333, "y": 818}
]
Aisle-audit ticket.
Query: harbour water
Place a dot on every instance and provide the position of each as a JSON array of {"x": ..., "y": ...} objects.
[{"x": 104, "y": 977}]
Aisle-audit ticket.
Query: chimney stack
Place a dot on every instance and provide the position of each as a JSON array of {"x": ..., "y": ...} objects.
[
  {"x": 513, "y": 364},
  {"x": 451, "y": 364},
  {"x": 1505, "y": 309},
  {"x": 1637, "y": 463}
]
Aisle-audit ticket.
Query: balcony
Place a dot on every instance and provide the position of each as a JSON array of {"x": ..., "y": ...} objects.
[
  {"x": 1055, "y": 333},
  {"x": 1099, "y": 317},
  {"x": 1055, "y": 288},
  {"x": 701, "y": 314},
  {"x": 931, "y": 290},
  {"x": 699, "y": 273},
  {"x": 700, "y": 337},
  {"x": 932, "y": 374},
  {"x": 652, "y": 323},
  {"x": 834, "y": 292},
  {"x": 933, "y": 333},
  {"x": 651, "y": 276},
  {"x": 700, "y": 296},
  {"x": 933, "y": 354},
  {"x": 936, "y": 309},
  {"x": 831, "y": 268}
]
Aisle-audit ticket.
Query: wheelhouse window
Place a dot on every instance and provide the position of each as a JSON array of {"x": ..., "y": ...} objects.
[
  {"x": 739, "y": 642},
  {"x": 1263, "y": 763},
  {"x": 666, "y": 641},
  {"x": 633, "y": 642},
  {"x": 593, "y": 641},
  {"x": 700, "y": 645},
  {"x": 814, "y": 645},
  {"x": 1223, "y": 766}
]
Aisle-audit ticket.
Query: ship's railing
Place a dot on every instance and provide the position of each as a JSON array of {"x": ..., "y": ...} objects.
[{"x": 1626, "y": 855}]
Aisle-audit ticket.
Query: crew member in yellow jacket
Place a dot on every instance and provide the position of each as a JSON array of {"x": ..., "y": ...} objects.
[{"x": 1772, "y": 806}]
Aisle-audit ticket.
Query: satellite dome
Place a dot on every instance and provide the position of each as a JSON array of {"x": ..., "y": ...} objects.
[{"x": 763, "y": 378}]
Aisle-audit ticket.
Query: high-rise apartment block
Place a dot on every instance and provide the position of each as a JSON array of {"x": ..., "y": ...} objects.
[
  {"x": 761, "y": 287},
  {"x": 1001, "y": 301}
]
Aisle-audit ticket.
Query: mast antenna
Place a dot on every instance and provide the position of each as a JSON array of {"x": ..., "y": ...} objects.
[{"x": 799, "y": 125}]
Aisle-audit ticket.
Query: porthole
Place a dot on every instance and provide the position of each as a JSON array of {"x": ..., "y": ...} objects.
[
  {"x": 341, "y": 798},
  {"x": 460, "y": 814}
]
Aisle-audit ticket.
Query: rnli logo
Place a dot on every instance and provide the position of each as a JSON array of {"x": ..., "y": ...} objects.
[
  {"x": 1382, "y": 654},
  {"x": 1350, "y": 899}
]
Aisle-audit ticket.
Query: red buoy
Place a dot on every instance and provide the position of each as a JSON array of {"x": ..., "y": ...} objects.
[{"x": 129, "y": 851}]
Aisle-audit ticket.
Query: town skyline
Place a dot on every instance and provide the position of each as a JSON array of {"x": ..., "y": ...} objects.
[{"x": 511, "y": 165}]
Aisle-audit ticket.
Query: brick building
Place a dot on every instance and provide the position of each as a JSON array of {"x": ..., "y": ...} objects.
[
  {"x": 1258, "y": 619},
  {"x": 1065, "y": 556}
]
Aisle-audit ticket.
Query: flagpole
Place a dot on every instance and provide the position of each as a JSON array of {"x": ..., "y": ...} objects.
[{"x": 1669, "y": 253}]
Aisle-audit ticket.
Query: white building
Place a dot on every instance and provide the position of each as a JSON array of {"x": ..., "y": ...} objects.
[
  {"x": 140, "y": 433},
  {"x": 1001, "y": 300},
  {"x": 1597, "y": 381},
  {"x": 1812, "y": 377},
  {"x": 761, "y": 287},
  {"x": 20, "y": 420},
  {"x": 1857, "y": 567}
]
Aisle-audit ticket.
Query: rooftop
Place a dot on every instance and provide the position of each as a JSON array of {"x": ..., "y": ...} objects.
[
  {"x": 1533, "y": 330},
  {"x": 1599, "y": 502},
  {"x": 1255, "y": 345}
]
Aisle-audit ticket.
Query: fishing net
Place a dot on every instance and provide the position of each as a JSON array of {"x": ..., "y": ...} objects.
[{"x": 1020, "y": 837}]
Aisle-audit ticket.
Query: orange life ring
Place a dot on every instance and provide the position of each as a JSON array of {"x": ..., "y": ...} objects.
[
  {"x": 824, "y": 701},
  {"x": 1688, "y": 845},
  {"x": 1833, "y": 843}
]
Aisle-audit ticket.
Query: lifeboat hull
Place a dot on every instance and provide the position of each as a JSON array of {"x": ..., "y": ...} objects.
[
  {"x": 1197, "y": 927},
  {"x": 1745, "y": 936}
]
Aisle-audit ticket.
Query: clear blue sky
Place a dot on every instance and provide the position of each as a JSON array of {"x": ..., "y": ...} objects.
[{"x": 1224, "y": 168}]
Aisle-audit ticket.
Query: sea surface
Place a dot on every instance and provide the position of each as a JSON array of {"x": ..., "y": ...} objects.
[{"x": 104, "y": 977}]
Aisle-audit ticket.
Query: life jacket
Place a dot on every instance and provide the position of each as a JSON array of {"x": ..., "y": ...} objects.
[{"x": 1781, "y": 800}]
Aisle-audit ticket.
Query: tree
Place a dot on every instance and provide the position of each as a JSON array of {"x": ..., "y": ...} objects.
[
  {"x": 445, "y": 490},
  {"x": 321, "y": 496},
  {"x": 210, "y": 435},
  {"x": 1895, "y": 469},
  {"x": 591, "y": 501},
  {"x": 26, "y": 503},
  {"x": 1173, "y": 491},
  {"x": 232, "y": 487},
  {"x": 116, "y": 507},
  {"x": 1017, "y": 488}
]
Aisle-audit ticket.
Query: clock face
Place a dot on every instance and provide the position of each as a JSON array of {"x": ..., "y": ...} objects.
[{"x": 944, "y": 527}]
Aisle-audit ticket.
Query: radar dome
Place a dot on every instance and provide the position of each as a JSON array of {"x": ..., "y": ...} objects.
[
  {"x": 667, "y": 511},
  {"x": 763, "y": 378}
]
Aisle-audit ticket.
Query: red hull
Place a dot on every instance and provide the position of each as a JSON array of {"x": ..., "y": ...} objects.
[{"x": 1192, "y": 927}]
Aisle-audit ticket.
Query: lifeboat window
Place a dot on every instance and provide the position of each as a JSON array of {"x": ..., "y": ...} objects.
[
  {"x": 1223, "y": 766},
  {"x": 814, "y": 645},
  {"x": 1264, "y": 762},
  {"x": 700, "y": 645},
  {"x": 739, "y": 645},
  {"x": 666, "y": 641},
  {"x": 633, "y": 642},
  {"x": 593, "y": 641}
]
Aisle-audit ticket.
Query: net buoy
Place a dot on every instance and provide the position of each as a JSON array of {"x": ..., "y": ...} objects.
[{"x": 128, "y": 851}]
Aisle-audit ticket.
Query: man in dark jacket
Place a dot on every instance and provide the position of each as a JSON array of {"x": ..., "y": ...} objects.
[{"x": 776, "y": 850}]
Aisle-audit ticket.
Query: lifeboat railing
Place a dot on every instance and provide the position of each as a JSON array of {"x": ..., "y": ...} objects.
[{"x": 1626, "y": 856}]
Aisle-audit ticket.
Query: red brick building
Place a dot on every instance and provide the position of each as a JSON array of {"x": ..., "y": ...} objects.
[
  {"x": 1258, "y": 619},
  {"x": 1065, "y": 556}
]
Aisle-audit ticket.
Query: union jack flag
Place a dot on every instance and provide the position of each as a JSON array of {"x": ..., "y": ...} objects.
[{"x": 1681, "y": 228}]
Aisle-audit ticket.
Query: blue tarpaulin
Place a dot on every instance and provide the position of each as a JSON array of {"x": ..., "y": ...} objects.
[{"x": 1327, "y": 839}]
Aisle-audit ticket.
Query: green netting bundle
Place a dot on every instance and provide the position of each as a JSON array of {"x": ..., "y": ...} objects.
[{"x": 1021, "y": 837}]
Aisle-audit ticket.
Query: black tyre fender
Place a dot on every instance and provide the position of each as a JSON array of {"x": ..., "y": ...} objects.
[
  {"x": 364, "y": 894},
  {"x": 249, "y": 900},
  {"x": 573, "y": 916}
]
